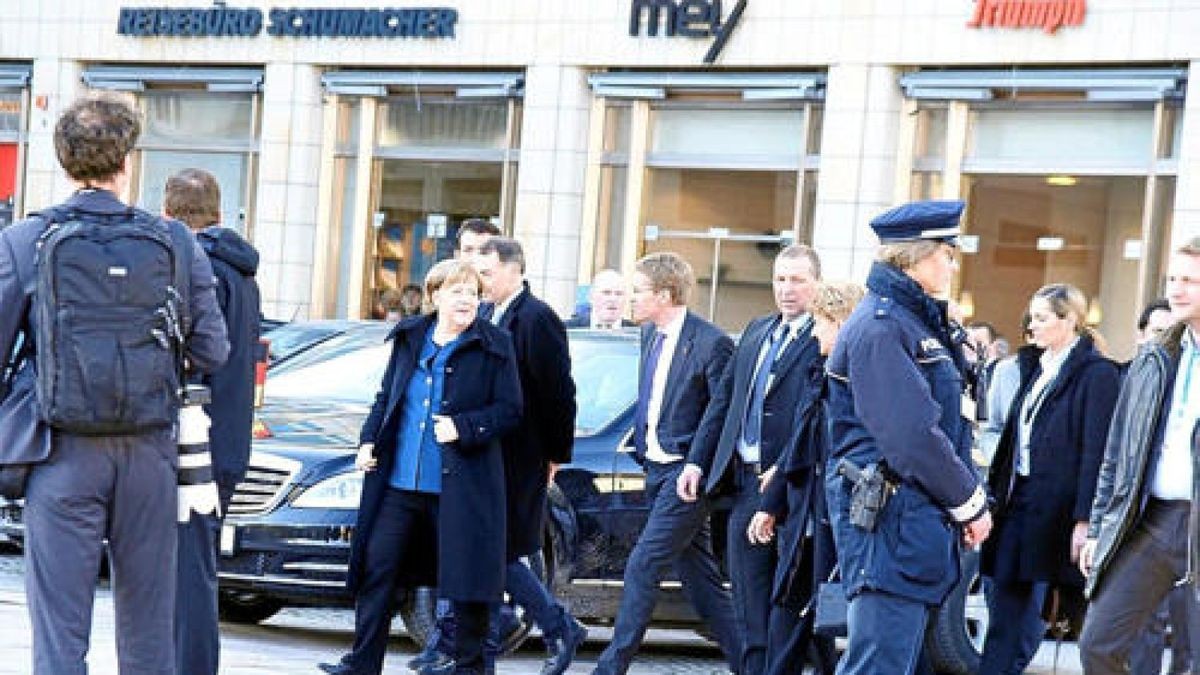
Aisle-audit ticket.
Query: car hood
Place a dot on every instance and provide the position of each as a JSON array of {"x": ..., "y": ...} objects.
[{"x": 306, "y": 427}]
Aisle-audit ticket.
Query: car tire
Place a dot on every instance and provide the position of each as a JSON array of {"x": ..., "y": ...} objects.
[
  {"x": 247, "y": 608},
  {"x": 954, "y": 641},
  {"x": 419, "y": 612}
]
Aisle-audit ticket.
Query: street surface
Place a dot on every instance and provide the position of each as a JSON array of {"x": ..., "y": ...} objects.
[{"x": 295, "y": 640}]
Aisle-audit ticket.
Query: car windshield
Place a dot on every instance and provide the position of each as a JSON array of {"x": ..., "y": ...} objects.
[
  {"x": 604, "y": 369},
  {"x": 605, "y": 373},
  {"x": 350, "y": 340}
]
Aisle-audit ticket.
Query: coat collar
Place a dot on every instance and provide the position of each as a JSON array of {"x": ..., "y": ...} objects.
[
  {"x": 888, "y": 281},
  {"x": 96, "y": 201},
  {"x": 411, "y": 332},
  {"x": 1083, "y": 353}
]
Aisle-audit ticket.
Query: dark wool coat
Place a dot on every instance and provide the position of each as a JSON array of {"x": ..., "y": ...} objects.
[
  {"x": 482, "y": 395},
  {"x": 547, "y": 431},
  {"x": 1066, "y": 447}
]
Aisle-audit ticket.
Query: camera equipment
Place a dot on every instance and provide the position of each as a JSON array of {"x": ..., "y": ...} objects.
[{"x": 197, "y": 490}]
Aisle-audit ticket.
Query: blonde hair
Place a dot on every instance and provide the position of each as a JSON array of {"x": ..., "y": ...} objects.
[
  {"x": 835, "y": 300},
  {"x": 670, "y": 272},
  {"x": 448, "y": 272},
  {"x": 906, "y": 254},
  {"x": 1065, "y": 301}
]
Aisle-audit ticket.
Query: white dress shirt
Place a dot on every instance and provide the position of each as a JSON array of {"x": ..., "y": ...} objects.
[
  {"x": 753, "y": 453},
  {"x": 1173, "y": 476},
  {"x": 658, "y": 386},
  {"x": 1032, "y": 405},
  {"x": 502, "y": 307}
]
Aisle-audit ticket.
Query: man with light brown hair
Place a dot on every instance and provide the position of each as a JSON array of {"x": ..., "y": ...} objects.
[{"x": 683, "y": 358}]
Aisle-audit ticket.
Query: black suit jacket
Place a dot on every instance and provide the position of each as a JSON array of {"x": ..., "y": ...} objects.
[
  {"x": 699, "y": 359},
  {"x": 547, "y": 430},
  {"x": 717, "y": 438}
]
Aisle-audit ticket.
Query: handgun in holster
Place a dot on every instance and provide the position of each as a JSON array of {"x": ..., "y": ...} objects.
[{"x": 869, "y": 494}]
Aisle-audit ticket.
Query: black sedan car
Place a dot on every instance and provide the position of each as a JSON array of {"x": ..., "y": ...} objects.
[{"x": 286, "y": 540}]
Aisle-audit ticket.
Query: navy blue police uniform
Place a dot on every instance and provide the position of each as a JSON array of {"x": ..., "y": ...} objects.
[{"x": 895, "y": 389}]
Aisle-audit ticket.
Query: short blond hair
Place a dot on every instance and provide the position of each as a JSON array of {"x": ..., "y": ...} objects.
[
  {"x": 906, "y": 254},
  {"x": 669, "y": 272},
  {"x": 835, "y": 300},
  {"x": 451, "y": 271}
]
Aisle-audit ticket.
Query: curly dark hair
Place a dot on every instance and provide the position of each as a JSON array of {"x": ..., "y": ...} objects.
[{"x": 94, "y": 135}]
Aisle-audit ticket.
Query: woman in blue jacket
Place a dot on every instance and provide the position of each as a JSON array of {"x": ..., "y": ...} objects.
[
  {"x": 1044, "y": 473},
  {"x": 434, "y": 487}
]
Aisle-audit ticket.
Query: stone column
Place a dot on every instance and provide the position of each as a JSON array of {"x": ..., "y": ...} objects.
[{"x": 549, "y": 200}]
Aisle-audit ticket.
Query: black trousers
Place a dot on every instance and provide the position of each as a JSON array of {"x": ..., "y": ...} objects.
[
  {"x": 1144, "y": 571},
  {"x": 396, "y": 532},
  {"x": 676, "y": 535}
]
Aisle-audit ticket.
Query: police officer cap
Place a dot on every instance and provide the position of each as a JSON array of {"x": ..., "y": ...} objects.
[{"x": 934, "y": 219}]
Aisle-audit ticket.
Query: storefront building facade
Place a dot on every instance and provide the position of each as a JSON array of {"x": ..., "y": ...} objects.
[{"x": 351, "y": 142}]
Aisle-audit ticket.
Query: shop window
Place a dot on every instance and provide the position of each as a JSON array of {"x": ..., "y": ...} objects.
[
  {"x": 1061, "y": 136},
  {"x": 610, "y": 232},
  {"x": 729, "y": 132},
  {"x": 437, "y": 161},
  {"x": 616, "y": 128},
  {"x": 444, "y": 123},
  {"x": 727, "y": 224},
  {"x": 930, "y": 143},
  {"x": 1031, "y": 231},
  {"x": 212, "y": 131},
  {"x": 11, "y": 139}
]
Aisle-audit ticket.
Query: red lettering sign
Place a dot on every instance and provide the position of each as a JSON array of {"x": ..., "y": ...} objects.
[{"x": 1049, "y": 15}]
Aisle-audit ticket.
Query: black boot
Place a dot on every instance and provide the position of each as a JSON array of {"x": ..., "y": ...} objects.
[{"x": 562, "y": 647}]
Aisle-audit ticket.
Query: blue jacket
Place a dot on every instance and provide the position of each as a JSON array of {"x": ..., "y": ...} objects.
[
  {"x": 483, "y": 398},
  {"x": 896, "y": 382}
]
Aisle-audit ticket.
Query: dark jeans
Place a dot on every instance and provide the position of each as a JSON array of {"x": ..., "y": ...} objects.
[
  {"x": 1013, "y": 639},
  {"x": 1142, "y": 574},
  {"x": 676, "y": 534},
  {"x": 400, "y": 519},
  {"x": 1147, "y": 656},
  {"x": 887, "y": 633},
  {"x": 117, "y": 487}
]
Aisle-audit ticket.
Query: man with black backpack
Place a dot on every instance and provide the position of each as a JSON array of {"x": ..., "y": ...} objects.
[
  {"x": 193, "y": 197},
  {"x": 117, "y": 303}
]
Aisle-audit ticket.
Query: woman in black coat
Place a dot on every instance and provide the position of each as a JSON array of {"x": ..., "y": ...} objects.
[
  {"x": 794, "y": 498},
  {"x": 434, "y": 487},
  {"x": 1043, "y": 476}
]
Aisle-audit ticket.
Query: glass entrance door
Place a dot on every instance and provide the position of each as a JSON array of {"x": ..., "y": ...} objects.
[{"x": 418, "y": 209}]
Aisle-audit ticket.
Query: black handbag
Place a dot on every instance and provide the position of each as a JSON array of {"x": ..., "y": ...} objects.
[
  {"x": 24, "y": 438},
  {"x": 829, "y": 608}
]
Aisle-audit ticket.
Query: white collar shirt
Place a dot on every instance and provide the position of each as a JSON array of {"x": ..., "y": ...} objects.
[
  {"x": 753, "y": 453},
  {"x": 658, "y": 388},
  {"x": 1173, "y": 475},
  {"x": 502, "y": 307}
]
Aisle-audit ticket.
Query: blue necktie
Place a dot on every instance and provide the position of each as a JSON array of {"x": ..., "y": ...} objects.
[
  {"x": 752, "y": 428},
  {"x": 645, "y": 387}
]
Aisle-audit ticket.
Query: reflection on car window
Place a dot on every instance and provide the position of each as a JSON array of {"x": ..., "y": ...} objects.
[
  {"x": 334, "y": 346},
  {"x": 605, "y": 373},
  {"x": 288, "y": 339},
  {"x": 353, "y": 377}
]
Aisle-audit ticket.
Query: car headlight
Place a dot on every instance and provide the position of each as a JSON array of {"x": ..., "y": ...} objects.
[{"x": 342, "y": 491}]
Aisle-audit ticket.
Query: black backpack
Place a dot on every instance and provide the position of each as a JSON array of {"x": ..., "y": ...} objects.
[{"x": 109, "y": 308}]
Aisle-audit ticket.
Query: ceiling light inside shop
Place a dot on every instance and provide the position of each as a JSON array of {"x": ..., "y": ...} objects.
[
  {"x": 968, "y": 244},
  {"x": 1133, "y": 249},
  {"x": 1051, "y": 243},
  {"x": 1061, "y": 181}
]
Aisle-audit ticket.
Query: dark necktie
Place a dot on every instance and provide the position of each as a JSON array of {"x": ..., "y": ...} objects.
[
  {"x": 752, "y": 428},
  {"x": 645, "y": 388}
]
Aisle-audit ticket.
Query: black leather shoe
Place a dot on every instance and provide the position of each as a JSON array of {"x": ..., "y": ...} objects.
[
  {"x": 336, "y": 668},
  {"x": 513, "y": 631},
  {"x": 447, "y": 668},
  {"x": 562, "y": 649}
]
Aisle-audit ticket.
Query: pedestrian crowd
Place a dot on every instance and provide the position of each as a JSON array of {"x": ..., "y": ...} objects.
[{"x": 862, "y": 440}]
